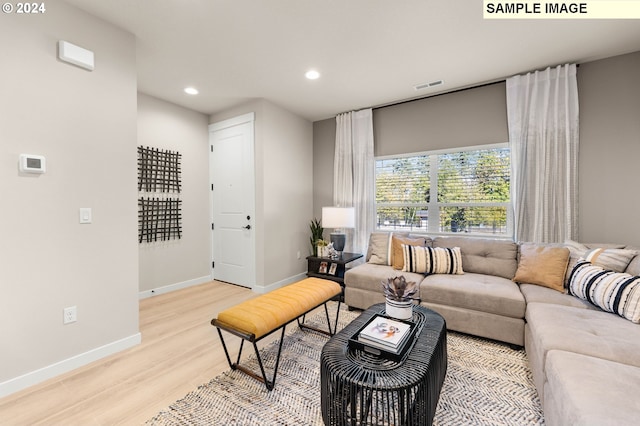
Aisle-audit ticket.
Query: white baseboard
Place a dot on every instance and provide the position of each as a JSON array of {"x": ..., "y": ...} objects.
[
  {"x": 22, "y": 382},
  {"x": 173, "y": 287},
  {"x": 280, "y": 283}
]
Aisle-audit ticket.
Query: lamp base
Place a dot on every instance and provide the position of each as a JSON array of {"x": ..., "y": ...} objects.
[{"x": 338, "y": 241}]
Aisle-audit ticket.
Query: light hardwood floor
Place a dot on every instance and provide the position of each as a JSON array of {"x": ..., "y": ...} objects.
[{"x": 179, "y": 351}]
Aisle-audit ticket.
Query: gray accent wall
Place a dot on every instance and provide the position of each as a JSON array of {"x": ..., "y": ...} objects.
[
  {"x": 609, "y": 141},
  {"x": 470, "y": 117},
  {"x": 609, "y": 94},
  {"x": 324, "y": 137}
]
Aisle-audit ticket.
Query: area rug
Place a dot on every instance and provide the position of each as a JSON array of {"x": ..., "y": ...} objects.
[{"x": 487, "y": 383}]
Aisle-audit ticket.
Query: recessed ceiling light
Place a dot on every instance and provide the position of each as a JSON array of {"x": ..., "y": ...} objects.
[
  {"x": 191, "y": 90},
  {"x": 312, "y": 74}
]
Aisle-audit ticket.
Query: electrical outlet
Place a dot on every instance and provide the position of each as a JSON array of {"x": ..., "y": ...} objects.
[{"x": 70, "y": 315}]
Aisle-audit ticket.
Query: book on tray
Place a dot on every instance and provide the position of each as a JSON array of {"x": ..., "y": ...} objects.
[{"x": 385, "y": 333}]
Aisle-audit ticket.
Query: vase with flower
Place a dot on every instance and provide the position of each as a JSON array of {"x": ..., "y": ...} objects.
[{"x": 399, "y": 297}]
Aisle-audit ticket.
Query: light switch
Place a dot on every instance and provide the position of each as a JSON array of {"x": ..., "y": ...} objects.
[{"x": 85, "y": 215}]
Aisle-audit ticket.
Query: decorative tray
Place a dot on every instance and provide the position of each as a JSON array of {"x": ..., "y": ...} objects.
[{"x": 382, "y": 350}]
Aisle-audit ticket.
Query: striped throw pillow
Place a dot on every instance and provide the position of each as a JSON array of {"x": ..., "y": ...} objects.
[
  {"x": 432, "y": 260},
  {"x": 614, "y": 292}
]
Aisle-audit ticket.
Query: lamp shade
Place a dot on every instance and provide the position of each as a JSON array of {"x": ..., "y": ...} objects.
[{"x": 338, "y": 217}]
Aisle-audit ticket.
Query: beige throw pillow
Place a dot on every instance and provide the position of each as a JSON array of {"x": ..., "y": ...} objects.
[
  {"x": 542, "y": 265},
  {"x": 615, "y": 259},
  {"x": 379, "y": 252}
]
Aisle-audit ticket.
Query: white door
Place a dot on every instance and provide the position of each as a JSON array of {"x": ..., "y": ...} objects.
[{"x": 233, "y": 200}]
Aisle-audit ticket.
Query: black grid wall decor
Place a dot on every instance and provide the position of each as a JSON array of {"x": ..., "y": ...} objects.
[{"x": 159, "y": 203}]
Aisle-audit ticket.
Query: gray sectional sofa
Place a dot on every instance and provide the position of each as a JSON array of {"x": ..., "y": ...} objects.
[{"x": 585, "y": 361}]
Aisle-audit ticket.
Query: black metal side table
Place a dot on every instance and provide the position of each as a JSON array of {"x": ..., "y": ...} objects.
[
  {"x": 358, "y": 388},
  {"x": 330, "y": 269}
]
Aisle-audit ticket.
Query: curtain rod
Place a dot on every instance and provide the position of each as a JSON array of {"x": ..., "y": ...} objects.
[
  {"x": 462, "y": 89},
  {"x": 404, "y": 101}
]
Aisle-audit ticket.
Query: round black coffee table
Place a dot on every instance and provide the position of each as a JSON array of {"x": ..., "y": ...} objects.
[{"x": 359, "y": 388}]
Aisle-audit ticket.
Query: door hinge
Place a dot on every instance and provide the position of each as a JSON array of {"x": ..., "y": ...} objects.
[
  {"x": 213, "y": 227},
  {"x": 213, "y": 265},
  {"x": 212, "y": 187},
  {"x": 211, "y": 148}
]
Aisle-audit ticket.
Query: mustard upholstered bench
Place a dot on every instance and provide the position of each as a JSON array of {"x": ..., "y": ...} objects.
[{"x": 257, "y": 318}]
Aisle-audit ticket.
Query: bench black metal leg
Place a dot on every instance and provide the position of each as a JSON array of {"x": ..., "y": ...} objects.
[
  {"x": 335, "y": 327},
  {"x": 224, "y": 346},
  {"x": 272, "y": 383},
  {"x": 301, "y": 324},
  {"x": 237, "y": 366}
]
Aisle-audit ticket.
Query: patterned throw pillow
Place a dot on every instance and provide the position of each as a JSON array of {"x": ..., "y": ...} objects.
[
  {"x": 614, "y": 292},
  {"x": 432, "y": 260}
]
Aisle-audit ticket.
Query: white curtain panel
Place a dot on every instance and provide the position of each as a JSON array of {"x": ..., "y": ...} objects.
[
  {"x": 354, "y": 174},
  {"x": 542, "y": 111}
]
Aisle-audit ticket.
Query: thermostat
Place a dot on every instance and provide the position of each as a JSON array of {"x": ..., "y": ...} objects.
[{"x": 32, "y": 163}]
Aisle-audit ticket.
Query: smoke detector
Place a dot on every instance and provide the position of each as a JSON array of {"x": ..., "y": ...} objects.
[{"x": 429, "y": 85}]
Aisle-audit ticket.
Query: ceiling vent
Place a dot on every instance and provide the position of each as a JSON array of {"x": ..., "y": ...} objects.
[{"x": 429, "y": 85}]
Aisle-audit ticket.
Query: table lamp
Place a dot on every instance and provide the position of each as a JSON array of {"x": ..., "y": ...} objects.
[{"x": 338, "y": 218}]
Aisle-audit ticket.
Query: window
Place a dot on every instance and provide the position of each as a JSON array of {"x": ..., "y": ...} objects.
[{"x": 446, "y": 191}]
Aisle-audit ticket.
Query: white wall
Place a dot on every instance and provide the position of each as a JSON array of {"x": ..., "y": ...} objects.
[
  {"x": 284, "y": 191},
  {"x": 288, "y": 192},
  {"x": 169, "y": 265},
  {"x": 84, "y": 123}
]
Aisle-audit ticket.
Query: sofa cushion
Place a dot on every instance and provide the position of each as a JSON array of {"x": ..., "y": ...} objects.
[
  {"x": 535, "y": 293},
  {"x": 397, "y": 256},
  {"x": 432, "y": 260},
  {"x": 484, "y": 255},
  {"x": 542, "y": 265},
  {"x": 479, "y": 292},
  {"x": 370, "y": 277},
  {"x": 614, "y": 292},
  {"x": 583, "y": 331},
  {"x": 584, "y": 390}
]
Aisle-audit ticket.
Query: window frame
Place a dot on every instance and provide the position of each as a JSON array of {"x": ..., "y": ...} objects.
[{"x": 433, "y": 206}]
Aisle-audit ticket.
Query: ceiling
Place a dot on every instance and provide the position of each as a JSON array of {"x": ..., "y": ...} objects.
[{"x": 369, "y": 52}]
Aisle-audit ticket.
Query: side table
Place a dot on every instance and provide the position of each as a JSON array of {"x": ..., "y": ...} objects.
[
  {"x": 358, "y": 388},
  {"x": 330, "y": 269}
]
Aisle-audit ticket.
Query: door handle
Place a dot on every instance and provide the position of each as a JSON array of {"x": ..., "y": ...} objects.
[{"x": 247, "y": 227}]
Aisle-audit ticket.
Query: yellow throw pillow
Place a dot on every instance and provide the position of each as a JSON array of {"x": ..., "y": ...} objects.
[
  {"x": 542, "y": 265},
  {"x": 397, "y": 257}
]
